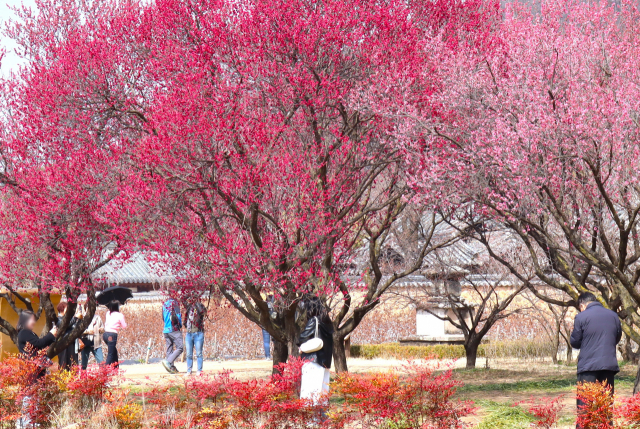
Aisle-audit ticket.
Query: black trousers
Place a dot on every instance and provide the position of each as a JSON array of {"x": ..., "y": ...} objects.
[
  {"x": 112, "y": 352},
  {"x": 595, "y": 377},
  {"x": 68, "y": 357}
]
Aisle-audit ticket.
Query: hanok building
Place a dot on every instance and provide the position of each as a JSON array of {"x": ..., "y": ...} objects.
[
  {"x": 140, "y": 273},
  {"x": 439, "y": 286}
]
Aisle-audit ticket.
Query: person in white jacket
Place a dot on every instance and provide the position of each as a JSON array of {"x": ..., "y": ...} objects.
[{"x": 91, "y": 340}]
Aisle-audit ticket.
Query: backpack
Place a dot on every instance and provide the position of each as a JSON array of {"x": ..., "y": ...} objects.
[{"x": 176, "y": 325}]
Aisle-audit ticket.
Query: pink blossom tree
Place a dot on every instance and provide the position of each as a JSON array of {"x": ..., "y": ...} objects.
[
  {"x": 272, "y": 152},
  {"x": 66, "y": 187},
  {"x": 257, "y": 141},
  {"x": 542, "y": 137}
]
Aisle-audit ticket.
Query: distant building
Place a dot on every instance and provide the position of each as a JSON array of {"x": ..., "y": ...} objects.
[{"x": 140, "y": 273}]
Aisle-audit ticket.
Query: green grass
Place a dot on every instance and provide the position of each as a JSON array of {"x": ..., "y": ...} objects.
[
  {"x": 504, "y": 416},
  {"x": 557, "y": 384},
  {"x": 522, "y": 386}
]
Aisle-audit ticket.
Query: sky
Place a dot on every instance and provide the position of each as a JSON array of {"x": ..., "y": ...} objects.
[{"x": 9, "y": 61}]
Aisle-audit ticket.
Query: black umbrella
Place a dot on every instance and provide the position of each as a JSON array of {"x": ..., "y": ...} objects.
[{"x": 115, "y": 293}]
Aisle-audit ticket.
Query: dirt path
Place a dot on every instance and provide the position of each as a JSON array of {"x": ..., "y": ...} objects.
[{"x": 141, "y": 375}]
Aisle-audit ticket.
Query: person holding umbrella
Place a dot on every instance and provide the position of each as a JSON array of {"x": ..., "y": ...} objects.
[{"x": 113, "y": 324}]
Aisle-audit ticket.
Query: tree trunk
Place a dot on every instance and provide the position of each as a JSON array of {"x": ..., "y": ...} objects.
[
  {"x": 636, "y": 384},
  {"x": 339, "y": 354},
  {"x": 280, "y": 354},
  {"x": 569, "y": 358},
  {"x": 283, "y": 350},
  {"x": 471, "y": 350},
  {"x": 556, "y": 347},
  {"x": 626, "y": 350},
  {"x": 292, "y": 331}
]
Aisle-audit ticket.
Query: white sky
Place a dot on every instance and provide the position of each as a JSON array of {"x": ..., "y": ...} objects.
[{"x": 9, "y": 61}]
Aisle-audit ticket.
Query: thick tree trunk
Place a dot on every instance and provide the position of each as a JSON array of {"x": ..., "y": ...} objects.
[
  {"x": 282, "y": 350},
  {"x": 636, "y": 384},
  {"x": 471, "y": 350},
  {"x": 339, "y": 354},
  {"x": 292, "y": 331},
  {"x": 280, "y": 354},
  {"x": 556, "y": 347},
  {"x": 626, "y": 350},
  {"x": 569, "y": 357}
]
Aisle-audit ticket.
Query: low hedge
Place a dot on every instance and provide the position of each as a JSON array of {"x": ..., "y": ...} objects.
[{"x": 398, "y": 351}]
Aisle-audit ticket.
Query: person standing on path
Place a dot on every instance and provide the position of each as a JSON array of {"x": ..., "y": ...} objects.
[
  {"x": 172, "y": 333},
  {"x": 314, "y": 385},
  {"x": 92, "y": 340},
  {"x": 266, "y": 343},
  {"x": 266, "y": 336},
  {"x": 195, "y": 334},
  {"x": 596, "y": 333},
  {"x": 29, "y": 345},
  {"x": 114, "y": 322}
]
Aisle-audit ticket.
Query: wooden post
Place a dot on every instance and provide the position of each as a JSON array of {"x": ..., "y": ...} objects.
[
  {"x": 347, "y": 346},
  {"x": 146, "y": 361},
  {"x": 183, "y": 357}
]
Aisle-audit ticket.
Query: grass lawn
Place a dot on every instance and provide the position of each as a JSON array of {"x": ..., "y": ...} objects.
[{"x": 496, "y": 390}]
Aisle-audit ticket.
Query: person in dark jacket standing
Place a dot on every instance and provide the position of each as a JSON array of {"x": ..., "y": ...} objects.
[
  {"x": 28, "y": 342},
  {"x": 315, "y": 371},
  {"x": 596, "y": 332},
  {"x": 29, "y": 345}
]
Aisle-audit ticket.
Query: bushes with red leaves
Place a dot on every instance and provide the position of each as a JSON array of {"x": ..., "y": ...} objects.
[
  {"x": 545, "y": 410},
  {"x": 597, "y": 411},
  {"x": 26, "y": 391},
  {"x": 419, "y": 397},
  {"x": 628, "y": 411}
]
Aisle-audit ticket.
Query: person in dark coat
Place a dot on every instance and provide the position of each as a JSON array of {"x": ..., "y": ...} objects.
[
  {"x": 29, "y": 345},
  {"x": 315, "y": 371},
  {"x": 596, "y": 333}
]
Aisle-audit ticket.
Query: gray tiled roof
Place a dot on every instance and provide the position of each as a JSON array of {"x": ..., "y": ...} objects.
[{"x": 140, "y": 268}]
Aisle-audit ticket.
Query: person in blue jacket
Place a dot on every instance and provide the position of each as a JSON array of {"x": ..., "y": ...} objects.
[
  {"x": 172, "y": 333},
  {"x": 596, "y": 333}
]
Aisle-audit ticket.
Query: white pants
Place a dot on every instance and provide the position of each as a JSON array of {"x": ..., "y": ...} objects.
[{"x": 315, "y": 383}]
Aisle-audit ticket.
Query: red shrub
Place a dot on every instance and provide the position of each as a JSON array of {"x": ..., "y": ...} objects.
[
  {"x": 597, "y": 411},
  {"x": 545, "y": 410},
  {"x": 628, "y": 411},
  {"x": 92, "y": 383},
  {"x": 209, "y": 387},
  {"x": 41, "y": 398},
  {"x": 423, "y": 398},
  {"x": 270, "y": 403}
]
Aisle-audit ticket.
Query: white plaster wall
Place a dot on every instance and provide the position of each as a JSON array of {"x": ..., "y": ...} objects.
[{"x": 428, "y": 324}]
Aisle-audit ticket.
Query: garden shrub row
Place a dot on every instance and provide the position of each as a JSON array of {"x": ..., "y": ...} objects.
[
  {"x": 522, "y": 349},
  {"x": 399, "y": 351}
]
